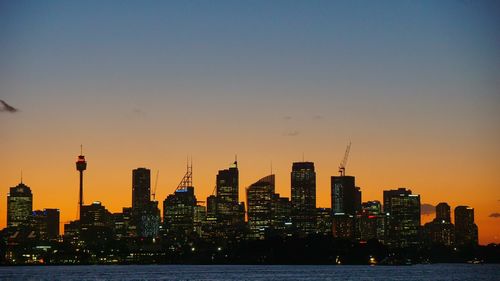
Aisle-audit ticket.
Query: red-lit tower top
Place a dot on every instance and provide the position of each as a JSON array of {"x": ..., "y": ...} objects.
[{"x": 81, "y": 164}]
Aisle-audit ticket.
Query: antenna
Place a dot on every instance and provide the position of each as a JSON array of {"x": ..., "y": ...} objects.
[
  {"x": 81, "y": 149},
  {"x": 187, "y": 180},
  {"x": 21, "y": 175},
  {"x": 271, "y": 167}
]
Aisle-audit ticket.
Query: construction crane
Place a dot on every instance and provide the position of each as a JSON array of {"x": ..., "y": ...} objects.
[
  {"x": 156, "y": 183},
  {"x": 343, "y": 164}
]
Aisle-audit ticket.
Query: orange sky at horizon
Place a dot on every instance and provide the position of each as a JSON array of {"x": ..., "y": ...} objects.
[
  {"x": 108, "y": 179},
  {"x": 414, "y": 85}
]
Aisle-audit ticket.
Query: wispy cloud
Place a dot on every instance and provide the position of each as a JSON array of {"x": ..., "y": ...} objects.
[
  {"x": 5, "y": 107},
  {"x": 494, "y": 215},
  {"x": 427, "y": 209},
  {"x": 293, "y": 133}
]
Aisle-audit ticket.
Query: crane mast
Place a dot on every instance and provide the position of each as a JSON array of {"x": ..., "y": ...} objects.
[
  {"x": 343, "y": 164},
  {"x": 156, "y": 183}
]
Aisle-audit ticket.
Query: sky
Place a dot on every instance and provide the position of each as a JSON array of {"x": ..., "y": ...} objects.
[{"x": 414, "y": 85}]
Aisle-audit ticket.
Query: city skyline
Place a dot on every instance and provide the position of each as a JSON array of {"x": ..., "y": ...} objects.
[
  {"x": 414, "y": 86},
  {"x": 144, "y": 181}
]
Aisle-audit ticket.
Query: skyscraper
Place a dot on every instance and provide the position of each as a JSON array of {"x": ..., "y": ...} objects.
[
  {"x": 403, "y": 209},
  {"x": 260, "y": 206},
  {"x": 227, "y": 182},
  {"x": 303, "y": 185},
  {"x": 178, "y": 212},
  {"x": 443, "y": 212},
  {"x": 141, "y": 185},
  {"x": 19, "y": 206},
  {"x": 440, "y": 230},
  {"x": 346, "y": 197},
  {"x": 466, "y": 232},
  {"x": 145, "y": 213}
]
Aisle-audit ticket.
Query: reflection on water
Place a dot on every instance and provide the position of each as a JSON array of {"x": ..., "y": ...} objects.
[{"x": 252, "y": 272}]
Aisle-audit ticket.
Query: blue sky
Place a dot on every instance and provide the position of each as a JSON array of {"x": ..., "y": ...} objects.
[{"x": 414, "y": 85}]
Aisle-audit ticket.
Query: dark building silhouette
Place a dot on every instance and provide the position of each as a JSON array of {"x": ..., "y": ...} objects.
[
  {"x": 443, "y": 212},
  {"x": 149, "y": 221},
  {"x": 72, "y": 232},
  {"x": 179, "y": 211},
  {"x": 466, "y": 231},
  {"x": 182, "y": 217},
  {"x": 212, "y": 207},
  {"x": 210, "y": 225},
  {"x": 141, "y": 188},
  {"x": 199, "y": 219},
  {"x": 260, "y": 197},
  {"x": 81, "y": 165},
  {"x": 46, "y": 223},
  {"x": 371, "y": 222},
  {"x": 324, "y": 221},
  {"x": 343, "y": 226},
  {"x": 227, "y": 194},
  {"x": 403, "y": 209},
  {"x": 440, "y": 230},
  {"x": 96, "y": 224},
  {"x": 19, "y": 206},
  {"x": 303, "y": 190},
  {"x": 346, "y": 204},
  {"x": 122, "y": 224},
  {"x": 95, "y": 214},
  {"x": 346, "y": 197},
  {"x": 145, "y": 213},
  {"x": 230, "y": 213},
  {"x": 282, "y": 215}
]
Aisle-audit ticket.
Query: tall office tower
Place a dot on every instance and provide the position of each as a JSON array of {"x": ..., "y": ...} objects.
[
  {"x": 178, "y": 212},
  {"x": 403, "y": 208},
  {"x": 260, "y": 207},
  {"x": 228, "y": 209},
  {"x": 46, "y": 223},
  {"x": 443, "y": 212},
  {"x": 145, "y": 213},
  {"x": 141, "y": 188},
  {"x": 179, "y": 208},
  {"x": 303, "y": 185},
  {"x": 19, "y": 206},
  {"x": 440, "y": 230},
  {"x": 81, "y": 165},
  {"x": 346, "y": 197},
  {"x": 466, "y": 232}
]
